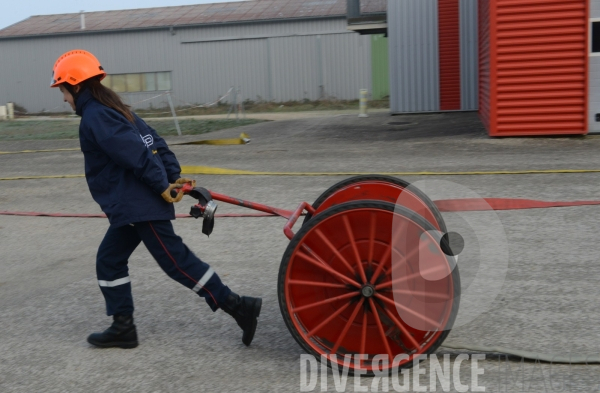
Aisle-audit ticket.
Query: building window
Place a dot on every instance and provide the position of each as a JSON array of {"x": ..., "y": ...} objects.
[
  {"x": 132, "y": 83},
  {"x": 595, "y": 37}
]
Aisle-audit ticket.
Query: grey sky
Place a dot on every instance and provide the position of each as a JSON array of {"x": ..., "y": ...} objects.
[{"x": 16, "y": 11}]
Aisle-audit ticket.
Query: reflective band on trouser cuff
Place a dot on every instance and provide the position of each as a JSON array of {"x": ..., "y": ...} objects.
[
  {"x": 209, "y": 273},
  {"x": 114, "y": 283}
]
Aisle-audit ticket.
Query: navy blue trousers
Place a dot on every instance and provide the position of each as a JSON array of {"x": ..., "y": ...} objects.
[{"x": 167, "y": 249}]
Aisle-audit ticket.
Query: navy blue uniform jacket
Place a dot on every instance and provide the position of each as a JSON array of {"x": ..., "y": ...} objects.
[{"x": 127, "y": 166}]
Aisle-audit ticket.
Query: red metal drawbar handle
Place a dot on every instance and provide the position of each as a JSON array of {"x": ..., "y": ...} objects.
[{"x": 292, "y": 216}]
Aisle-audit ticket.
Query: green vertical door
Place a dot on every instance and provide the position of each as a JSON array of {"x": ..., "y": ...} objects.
[{"x": 380, "y": 66}]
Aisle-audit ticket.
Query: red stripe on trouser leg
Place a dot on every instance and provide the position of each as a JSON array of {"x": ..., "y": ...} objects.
[{"x": 176, "y": 265}]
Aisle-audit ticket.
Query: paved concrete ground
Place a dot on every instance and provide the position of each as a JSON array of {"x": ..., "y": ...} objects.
[{"x": 50, "y": 300}]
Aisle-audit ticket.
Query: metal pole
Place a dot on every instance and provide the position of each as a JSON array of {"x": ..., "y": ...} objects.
[
  {"x": 173, "y": 113},
  {"x": 10, "y": 107},
  {"x": 235, "y": 103},
  {"x": 320, "y": 69},
  {"x": 269, "y": 71},
  {"x": 239, "y": 104},
  {"x": 231, "y": 94},
  {"x": 363, "y": 103},
  {"x": 243, "y": 109}
]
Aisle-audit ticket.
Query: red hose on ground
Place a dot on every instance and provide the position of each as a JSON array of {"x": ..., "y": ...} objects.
[
  {"x": 102, "y": 215},
  {"x": 446, "y": 205},
  {"x": 476, "y": 204}
]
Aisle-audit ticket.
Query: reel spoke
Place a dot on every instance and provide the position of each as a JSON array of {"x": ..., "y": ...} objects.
[
  {"x": 347, "y": 326},
  {"x": 352, "y": 241},
  {"x": 323, "y": 302}
]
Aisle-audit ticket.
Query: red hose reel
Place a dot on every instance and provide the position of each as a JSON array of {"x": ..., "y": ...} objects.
[{"x": 363, "y": 274}]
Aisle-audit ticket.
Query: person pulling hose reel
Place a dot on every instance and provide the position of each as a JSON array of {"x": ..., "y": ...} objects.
[{"x": 131, "y": 172}]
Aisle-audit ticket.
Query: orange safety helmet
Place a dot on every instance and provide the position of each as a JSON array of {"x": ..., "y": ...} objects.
[{"x": 74, "y": 67}]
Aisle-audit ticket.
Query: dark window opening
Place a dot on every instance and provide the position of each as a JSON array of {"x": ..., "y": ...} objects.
[
  {"x": 596, "y": 37},
  {"x": 131, "y": 83}
]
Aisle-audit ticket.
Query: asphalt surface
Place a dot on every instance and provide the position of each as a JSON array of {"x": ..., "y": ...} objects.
[{"x": 50, "y": 301}]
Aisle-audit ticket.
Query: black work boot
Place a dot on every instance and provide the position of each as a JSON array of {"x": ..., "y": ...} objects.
[
  {"x": 245, "y": 310},
  {"x": 120, "y": 334}
]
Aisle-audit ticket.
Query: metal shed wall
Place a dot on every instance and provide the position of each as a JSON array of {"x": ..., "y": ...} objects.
[
  {"x": 280, "y": 61},
  {"x": 420, "y": 33},
  {"x": 594, "y": 77},
  {"x": 469, "y": 70},
  {"x": 486, "y": 96},
  {"x": 538, "y": 67},
  {"x": 414, "y": 56},
  {"x": 449, "y": 39}
]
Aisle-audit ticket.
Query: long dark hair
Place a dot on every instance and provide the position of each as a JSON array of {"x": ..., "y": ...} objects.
[{"x": 107, "y": 97}]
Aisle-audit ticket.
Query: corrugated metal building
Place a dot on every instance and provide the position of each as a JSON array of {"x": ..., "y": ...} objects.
[
  {"x": 531, "y": 67},
  {"x": 593, "y": 117},
  {"x": 535, "y": 67},
  {"x": 274, "y": 50},
  {"x": 433, "y": 55}
]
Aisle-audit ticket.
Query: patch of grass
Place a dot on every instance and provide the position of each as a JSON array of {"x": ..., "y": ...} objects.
[
  {"x": 69, "y": 129},
  {"x": 22, "y": 130},
  {"x": 266, "y": 107},
  {"x": 250, "y": 106}
]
